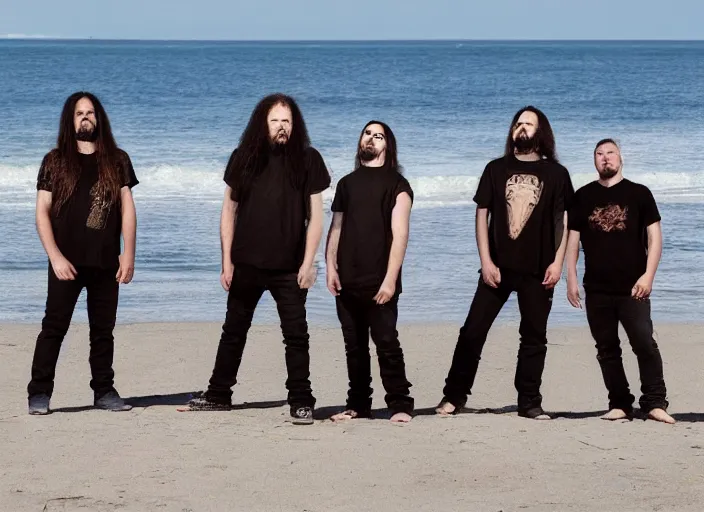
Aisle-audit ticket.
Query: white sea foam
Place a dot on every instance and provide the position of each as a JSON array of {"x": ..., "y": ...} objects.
[{"x": 163, "y": 182}]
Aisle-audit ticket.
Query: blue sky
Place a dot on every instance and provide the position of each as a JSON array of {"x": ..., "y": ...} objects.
[{"x": 350, "y": 19}]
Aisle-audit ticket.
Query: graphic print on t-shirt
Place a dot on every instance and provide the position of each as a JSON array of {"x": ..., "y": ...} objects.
[
  {"x": 609, "y": 218},
  {"x": 99, "y": 209},
  {"x": 522, "y": 194}
]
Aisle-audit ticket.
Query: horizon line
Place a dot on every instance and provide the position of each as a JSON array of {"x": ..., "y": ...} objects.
[{"x": 25, "y": 37}]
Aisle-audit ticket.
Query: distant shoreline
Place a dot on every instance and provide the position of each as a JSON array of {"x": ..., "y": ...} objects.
[{"x": 26, "y": 37}]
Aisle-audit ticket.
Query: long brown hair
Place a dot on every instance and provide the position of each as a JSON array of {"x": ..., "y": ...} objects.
[
  {"x": 252, "y": 154},
  {"x": 63, "y": 161},
  {"x": 544, "y": 136}
]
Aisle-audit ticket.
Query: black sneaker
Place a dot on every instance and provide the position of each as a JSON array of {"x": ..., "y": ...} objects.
[
  {"x": 111, "y": 401},
  {"x": 39, "y": 404},
  {"x": 202, "y": 403},
  {"x": 302, "y": 415}
]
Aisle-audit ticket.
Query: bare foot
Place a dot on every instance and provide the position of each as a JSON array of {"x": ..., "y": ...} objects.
[
  {"x": 661, "y": 415},
  {"x": 445, "y": 409},
  {"x": 349, "y": 414},
  {"x": 400, "y": 417},
  {"x": 615, "y": 414}
]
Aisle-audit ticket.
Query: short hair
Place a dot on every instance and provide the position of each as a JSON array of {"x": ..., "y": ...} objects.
[{"x": 607, "y": 141}]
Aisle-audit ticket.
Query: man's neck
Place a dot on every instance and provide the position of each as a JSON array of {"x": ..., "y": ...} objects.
[
  {"x": 613, "y": 180},
  {"x": 87, "y": 148},
  {"x": 377, "y": 162},
  {"x": 533, "y": 156}
]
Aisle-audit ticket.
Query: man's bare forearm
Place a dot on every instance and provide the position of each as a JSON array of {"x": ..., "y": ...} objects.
[
  {"x": 572, "y": 254},
  {"x": 482, "y": 234},
  {"x": 314, "y": 232},
  {"x": 129, "y": 223},
  {"x": 228, "y": 219},
  {"x": 654, "y": 249}
]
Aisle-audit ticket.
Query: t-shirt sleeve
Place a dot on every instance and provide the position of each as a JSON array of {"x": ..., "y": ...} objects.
[
  {"x": 229, "y": 178},
  {"x": 402, "y": 185},
  {"x": 649, "y": 208},
  {"x": 45, "y": 178},
  {"x": 484, "y": 197},
  {"x": 339, "y": 203},
  {"x": 318, "y": 175},
  {"x": 129, "y": 178}
]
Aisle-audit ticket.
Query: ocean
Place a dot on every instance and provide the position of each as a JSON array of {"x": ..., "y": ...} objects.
[{"x": 178, "y": 109}]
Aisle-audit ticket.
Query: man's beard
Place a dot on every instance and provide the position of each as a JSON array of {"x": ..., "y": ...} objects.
[
  {"x": 524, "y": 145},
  {"x": 607, "y": 173},
  {"x": 279, "y": 140},
  {"x": 367, "y": 153},
  {"x": 87, "y": 134}
]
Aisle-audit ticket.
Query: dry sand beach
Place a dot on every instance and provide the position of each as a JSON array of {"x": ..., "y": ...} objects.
[{"x": 154, "y": 458}]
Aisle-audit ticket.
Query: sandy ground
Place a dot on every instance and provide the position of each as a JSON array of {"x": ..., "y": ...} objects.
[{"x": 154, "y": 458}]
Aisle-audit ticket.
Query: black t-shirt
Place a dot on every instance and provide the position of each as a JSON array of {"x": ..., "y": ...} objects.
[
  {"x": 270, "y": 232},
  {"x": 612, "y": 223},
  {"x": 526, "y": 203},
  {"x": 87, "y": 228},
  {"x": 367, "y": 197}
]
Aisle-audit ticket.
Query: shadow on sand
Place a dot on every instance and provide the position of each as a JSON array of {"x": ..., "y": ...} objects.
[{"x": 173, "y": 400}]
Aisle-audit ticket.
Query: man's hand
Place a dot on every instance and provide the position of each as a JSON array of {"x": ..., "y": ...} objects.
[
  {"x": 491, "y": 274},
  {"x": 643, "y": 287},
  {"x": 306, "y": 276},
  {"x": 63, "y": 268},
  {"x": 552, "y": 275},
  {"x": 333, "y": 281},
  {"x": 573, "y": 294},
  {"x": 386, "y": 291},
  {"x": 228, "y": 269},
  {"x": 126, "y": 271}
]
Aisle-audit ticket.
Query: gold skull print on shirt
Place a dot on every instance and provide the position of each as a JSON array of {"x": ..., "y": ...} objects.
[
  {"x": 523, "y": 192},
  {"x": 99, "y": 209}
]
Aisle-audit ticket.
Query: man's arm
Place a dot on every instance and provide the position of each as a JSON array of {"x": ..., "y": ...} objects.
[
  {"x": 306, "y": 274},
  {"x": 333, "y": 242},
  {"x": 482, "y": 235},
  {"x": 228, "y": 217},
  {"x": 129, "y": 236},
  {"x": 490, "y": 272},
  {"x": 654, "y": 248},
  {"x": 400, "y": 226},
  {"x": 572, "y": 255},
  {"x": 61, "y": 266},
  {"x": 644, "y": 285},
  {"x": 400, "y": 220}
]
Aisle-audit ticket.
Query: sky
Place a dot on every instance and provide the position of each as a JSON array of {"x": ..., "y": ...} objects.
[{"x": 353, "y": 19}]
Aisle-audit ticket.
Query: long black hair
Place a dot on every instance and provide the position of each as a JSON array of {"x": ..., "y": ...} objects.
[
  {"x": 391, "y": 157},
  {"x": 252, "y": 153},
  {"x": 63, "y": 162},
  {"x": 545, "y": 139}
]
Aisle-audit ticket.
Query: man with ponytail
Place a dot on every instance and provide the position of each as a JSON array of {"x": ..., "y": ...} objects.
[{"x": 84, "y": 204}]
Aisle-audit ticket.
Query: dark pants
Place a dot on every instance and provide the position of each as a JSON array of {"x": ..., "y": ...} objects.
[
  {"x": 102, "y": 292},
  {"x": 359, "y": 315},
  {"x": 534, "y": 303},
  {"x": 604, "y": 312},
  {"x": 248, "y": 286}
]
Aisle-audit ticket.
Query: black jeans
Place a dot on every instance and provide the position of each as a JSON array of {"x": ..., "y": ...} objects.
[
  {"x": 102, "y": 293},
  {"x": 359, "y": 315},
  {"x": 604, "y": 312},
  {"x": 534, "y": 303},
  {"x": 247, "y": 287}
]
